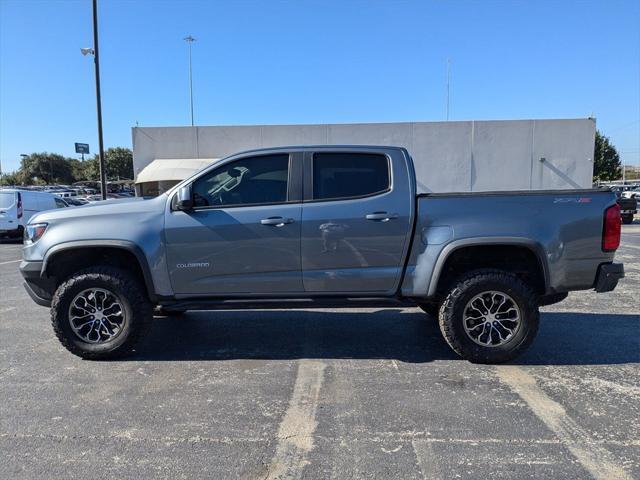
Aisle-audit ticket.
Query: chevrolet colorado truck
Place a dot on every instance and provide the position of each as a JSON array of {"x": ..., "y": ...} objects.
[{"x": 325, "y": 226}]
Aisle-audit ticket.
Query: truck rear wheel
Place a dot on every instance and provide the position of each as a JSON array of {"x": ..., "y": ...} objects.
[
  {"x": 627, "y": 219},
  {"x": 100, "y": 313},
  {"x": 489, "y": 316}
]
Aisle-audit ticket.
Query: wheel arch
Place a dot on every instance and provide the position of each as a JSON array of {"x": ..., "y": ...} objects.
[
  {"x": 479, "y": 243},
  {"x": 87, "y": 247}
]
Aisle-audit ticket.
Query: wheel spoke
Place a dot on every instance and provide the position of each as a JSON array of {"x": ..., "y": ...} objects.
[
  {"x": 484, "y": 305},
  {"x": 85, "y": 324},
  {"x": 509, "y": 330},
  {"x": 502, "y": 302}
]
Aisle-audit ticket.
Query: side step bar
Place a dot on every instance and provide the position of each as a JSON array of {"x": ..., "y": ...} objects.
[{"x": 286, "y": 303}]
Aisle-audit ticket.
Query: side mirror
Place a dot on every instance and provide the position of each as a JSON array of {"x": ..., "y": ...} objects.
[{"x": 184, "y": 199}]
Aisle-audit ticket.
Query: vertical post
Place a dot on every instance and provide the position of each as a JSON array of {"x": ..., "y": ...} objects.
[
  {"x": 190, "y": 84},
  {"x": 190, "y": 40},
  {"x": 96, "y": 59},
  {"x": 448, "y": 81}
]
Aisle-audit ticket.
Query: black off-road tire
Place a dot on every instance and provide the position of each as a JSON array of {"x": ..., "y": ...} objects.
[
  {"x": 468, "y": 286},
  {"x": 136, "y": 306}
]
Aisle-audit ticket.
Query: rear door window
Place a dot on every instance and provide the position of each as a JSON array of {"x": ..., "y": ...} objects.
[{"x": 349, "y": 175}]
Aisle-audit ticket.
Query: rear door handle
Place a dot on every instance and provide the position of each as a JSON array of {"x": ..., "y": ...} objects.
[
  {"x": 276, "y": 221},
  {"x": 381, "y": 216}
]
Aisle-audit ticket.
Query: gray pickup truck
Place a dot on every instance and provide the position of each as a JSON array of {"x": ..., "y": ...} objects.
[{"x": 326, "y": 226}]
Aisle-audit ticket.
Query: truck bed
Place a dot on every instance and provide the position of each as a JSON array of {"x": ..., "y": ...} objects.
[{"x": 563, "y": 228}]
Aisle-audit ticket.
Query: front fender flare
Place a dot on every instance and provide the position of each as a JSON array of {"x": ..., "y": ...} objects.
[{"x": 121, "y": 244}]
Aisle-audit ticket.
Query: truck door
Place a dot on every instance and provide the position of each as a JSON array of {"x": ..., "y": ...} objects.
[
  {"x": 243, "y": 234},
  {"x": 356, "y": 220}
]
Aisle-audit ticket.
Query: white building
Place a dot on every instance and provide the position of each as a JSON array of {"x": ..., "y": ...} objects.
[{"x": 464, "y": 156}]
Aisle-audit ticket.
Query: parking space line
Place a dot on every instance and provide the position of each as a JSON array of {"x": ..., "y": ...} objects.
[
  {"x": 10, "y": 261},
  {"x": 295, "y": 434},
  {"x": 594, "y": 458},
  {"x": 427, "y": 460}
]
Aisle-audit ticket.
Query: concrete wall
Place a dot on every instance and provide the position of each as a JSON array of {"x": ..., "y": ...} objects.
[{"x": 449, "y": 156}]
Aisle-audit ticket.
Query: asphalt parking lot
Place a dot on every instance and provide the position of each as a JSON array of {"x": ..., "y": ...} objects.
[{"x": 324, "y": 394}]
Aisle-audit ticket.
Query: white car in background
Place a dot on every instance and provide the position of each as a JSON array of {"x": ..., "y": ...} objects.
[
  {"x": 18, "y": 206},
  {"x": 66, "y": 193}
]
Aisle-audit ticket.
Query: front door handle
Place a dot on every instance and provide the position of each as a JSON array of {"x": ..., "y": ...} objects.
[
  {"x": 381, "y": 216},
  {"x": 276, "y": 221}
]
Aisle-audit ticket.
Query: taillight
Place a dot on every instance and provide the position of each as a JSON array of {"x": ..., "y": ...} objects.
[
  {"x": 19, "y": 205},
  {"x": 611, "y": 229}
]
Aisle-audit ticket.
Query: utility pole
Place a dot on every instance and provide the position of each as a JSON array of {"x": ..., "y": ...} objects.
[
  {"x": 96, "y": 59},
  {"x": 448, "y": 82},
  {"x": 190, "y": 40}
]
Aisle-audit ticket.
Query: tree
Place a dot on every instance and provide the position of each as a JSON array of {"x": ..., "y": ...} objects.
[
  {"x": 119, "y": 163},
  {"x": 10, "y": 179},
  {"x": 606, "y": 162},
  {"x": 45, "y": 167},
  {"x": 78, "y": 168}
]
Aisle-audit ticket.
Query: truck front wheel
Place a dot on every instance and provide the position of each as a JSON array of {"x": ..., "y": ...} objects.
[
  {"x": 489, "y": 316},
  {"x": 100, "y": 313}
]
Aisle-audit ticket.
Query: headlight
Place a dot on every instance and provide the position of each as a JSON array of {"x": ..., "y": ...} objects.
[{"x": 33, "y": 232}]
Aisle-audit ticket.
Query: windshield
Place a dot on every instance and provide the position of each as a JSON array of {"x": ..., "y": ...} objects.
[{"x": 7, "y": 199}]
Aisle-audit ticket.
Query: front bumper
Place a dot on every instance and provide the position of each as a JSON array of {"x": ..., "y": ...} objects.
[
  {"x": 38, "y": 287},
  {"x": 608, "y": 276}
]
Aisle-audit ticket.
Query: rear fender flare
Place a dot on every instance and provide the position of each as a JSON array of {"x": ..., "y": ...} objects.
[{"x": 535, "y": 247}]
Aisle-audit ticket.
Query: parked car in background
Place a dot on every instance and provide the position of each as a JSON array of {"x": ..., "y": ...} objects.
[
  {"x": 98, "y": 198},
  {"x": 66, "y": 193},
  {"x": 76, "y": 201},
  {"x": 18, "y": 206},
  {"x": 632, "y": 192}
]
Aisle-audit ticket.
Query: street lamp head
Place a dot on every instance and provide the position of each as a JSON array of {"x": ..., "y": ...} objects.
[
  {"x": 189, "y": 39},
  {"x": 87, "y": 51}
]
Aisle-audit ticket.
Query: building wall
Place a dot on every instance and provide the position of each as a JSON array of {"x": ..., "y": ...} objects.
[{"x": 449, "y": 156}]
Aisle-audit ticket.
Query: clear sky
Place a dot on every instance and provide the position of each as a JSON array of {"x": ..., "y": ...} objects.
[{"x": 271, "y": 62}]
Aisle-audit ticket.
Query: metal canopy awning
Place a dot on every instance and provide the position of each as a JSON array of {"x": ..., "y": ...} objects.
[{"x": 172, "y": 169}]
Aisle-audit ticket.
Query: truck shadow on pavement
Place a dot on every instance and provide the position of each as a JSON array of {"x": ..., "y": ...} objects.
[{"x": 407, "y": 336}]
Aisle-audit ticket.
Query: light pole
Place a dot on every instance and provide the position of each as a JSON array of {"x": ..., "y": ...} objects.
[
  {"x": 448, "y": 82},
  {"x": 96, "y": 61},
  {"x": 190, "y": 40}
]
